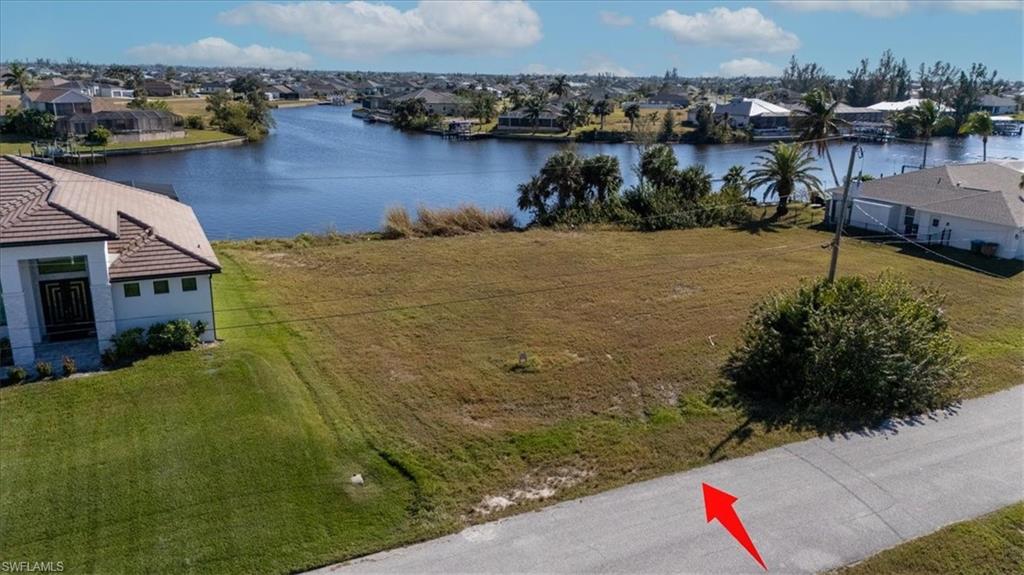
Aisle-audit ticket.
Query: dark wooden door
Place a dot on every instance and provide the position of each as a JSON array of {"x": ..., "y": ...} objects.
[{"x": 67, "y": 309}]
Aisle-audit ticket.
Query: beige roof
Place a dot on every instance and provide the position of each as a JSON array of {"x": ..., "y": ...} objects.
[
  {"x": 984, "y": 192},
  {"x": 151, "y": 233}
]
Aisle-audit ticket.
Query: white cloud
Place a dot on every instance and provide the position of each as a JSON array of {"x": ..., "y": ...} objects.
[
  {"x": 872, "y": 8},
  {"x": 743, "y": 29},
  {"x": 983, "y": 5},
  {"x": 355, "y": 30},
  {"x": 615, "y": 19},
  {"x": 747, "y": 67},
  {"x": 892, "y": 8},
  {"x": 595, "y": 64},
  {"x": 219, "y": 52}
]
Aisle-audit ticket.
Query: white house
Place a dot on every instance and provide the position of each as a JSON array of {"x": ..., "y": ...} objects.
[
  {"x": 889, "y": 108},
  {"x": 82, "y": 259},
  {"x": 743, "y": 112},
  {"x": 955, "y": 205}
]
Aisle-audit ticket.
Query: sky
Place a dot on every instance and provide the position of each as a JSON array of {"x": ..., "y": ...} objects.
[{"x": 623, "y": 38}]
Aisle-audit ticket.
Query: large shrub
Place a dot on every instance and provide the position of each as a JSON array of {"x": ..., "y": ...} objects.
[
  {"x": 175, "y": 335},
  {"x": 98, "y": 136},
  {"x": 856, "y": 350},
  {"x": 29, "y": 123}
]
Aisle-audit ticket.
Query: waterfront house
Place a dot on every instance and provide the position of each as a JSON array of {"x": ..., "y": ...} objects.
[
  {"x": 85, "y": 258},
  {"x": 997, "y": 105},
  {"x": 115, "y": 91},
  {"x": 126, "y": 125},
  {"x": 753, "y": 113},
  {"x": 58, "y": 101},
  {"x": 517, "y": 120},
  {"x": 889, "y": 108},
  {"x": 962, "y": 206},
  {"x": 436, "y": 102}
]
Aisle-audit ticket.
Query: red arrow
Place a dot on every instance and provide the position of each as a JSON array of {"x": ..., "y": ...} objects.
[{"x": 718, "y": 505}]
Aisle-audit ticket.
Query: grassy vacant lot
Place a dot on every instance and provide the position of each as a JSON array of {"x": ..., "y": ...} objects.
[
  {"x": 401, "y": 361},
  {"x": 15, "y": 145},
  {"x": 989, "y": 545}
]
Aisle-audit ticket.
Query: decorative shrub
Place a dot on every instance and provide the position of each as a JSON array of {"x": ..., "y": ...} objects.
[
  {"x": 176, "y": 335},
  {"x": 44, "y": 369},
  {"x": 195, "y": 123},
  {"x": 16, "y": 375},
  {"x": 856, "y": 350},
  {"x": 98, "y": 136},
  {"x": 68, "y": 366}
]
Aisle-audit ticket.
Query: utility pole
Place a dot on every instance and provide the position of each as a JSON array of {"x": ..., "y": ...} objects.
[{"x": 840, "y": 215}]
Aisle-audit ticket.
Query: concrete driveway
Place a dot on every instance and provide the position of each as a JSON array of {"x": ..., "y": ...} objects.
[{"x": 808, "y": 506}]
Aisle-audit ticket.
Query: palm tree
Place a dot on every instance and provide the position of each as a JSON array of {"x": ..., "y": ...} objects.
[
  {"x": 632, "y": 113},
  {"x": 573, "y": 115},
  {"x": 560, "y": 86},
  {"x": 818, "y": 122},
  {"x": 782, "y": 168},
  {"x": 979, "y": 124},
  {"x": 17, "y": 75},
  {"x": 602, "y": 177},
  {"x": 603, "y": 109},
  {"x": 516, "y": 98},
  {"x": 926, "y": 116},
  {"x": 735, "y": 178},
  {"x": 533, "y": 109}
]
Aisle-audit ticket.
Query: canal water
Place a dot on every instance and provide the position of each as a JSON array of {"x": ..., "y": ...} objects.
[{"x": 323, "y": 169}]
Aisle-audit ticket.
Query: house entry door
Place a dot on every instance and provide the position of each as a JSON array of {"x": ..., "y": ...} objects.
[{"x": 67, "y": 309}]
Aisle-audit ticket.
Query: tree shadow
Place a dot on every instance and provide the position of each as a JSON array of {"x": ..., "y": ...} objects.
[
  {"x": 828, "y": 422},
  {"x": 945, "y": 255}
]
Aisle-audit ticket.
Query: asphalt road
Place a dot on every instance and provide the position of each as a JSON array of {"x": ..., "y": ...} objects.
[{"x": 807, "y": 506}]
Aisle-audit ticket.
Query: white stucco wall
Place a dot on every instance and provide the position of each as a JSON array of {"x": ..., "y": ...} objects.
[
  {"x": 874, "y": 216},
  {"x": 21, "y": 293},
  {"x": 963, "y": 231},
  {"x": 149, "y": 307}
]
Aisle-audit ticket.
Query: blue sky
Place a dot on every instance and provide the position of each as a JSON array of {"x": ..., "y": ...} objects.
[{"x": 641, "y": 38}]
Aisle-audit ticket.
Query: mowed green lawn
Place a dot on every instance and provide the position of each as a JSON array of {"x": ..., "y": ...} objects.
[
  {"x": 399, "y": 360},
  {"x": 989, "y": 545}
]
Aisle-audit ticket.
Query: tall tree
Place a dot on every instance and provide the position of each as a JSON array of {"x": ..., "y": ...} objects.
[
  {"x": 603, "y": 109},
  {"x": 533, "y": 109},
  {"x": 18, "y": 75},
  {"x": 817, "y": 123},
  {"x": 783, "y": 168},
  {"x": 559, "y": 86},
  {"x": 602, "y": 177},
  {"x": 632, "y": 112},
  {"x": 926, "y": 116},
  {"x": 979, "y": 124},
  {"x": 573, "y": 115}
]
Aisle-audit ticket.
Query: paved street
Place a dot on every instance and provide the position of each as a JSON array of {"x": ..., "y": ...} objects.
[{"x": 809, "y": 506}]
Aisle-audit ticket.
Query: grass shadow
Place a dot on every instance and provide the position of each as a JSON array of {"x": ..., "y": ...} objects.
[{"x": 946, "y": 255}]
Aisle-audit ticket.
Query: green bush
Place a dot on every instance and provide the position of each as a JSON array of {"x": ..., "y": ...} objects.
[
  {"x": 29, "y": 123},
  {"x": 195, "y": 123},
  {"x": 126, "y": 347},
  {"x": 856, "y": 350},
  {"x": 44, "y": 369},
  {"x": 175, "y": 335},
  {"x": 16, "y": 375},
  {"x": 98, "y": 136}
]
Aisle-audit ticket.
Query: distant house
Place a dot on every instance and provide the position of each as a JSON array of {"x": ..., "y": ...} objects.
[
  {"x": 280, "y": 92},
  {"x": 781, "y": 96},
  {"x": 997, "y": 105},
  {"x": 670, "y": 97},
  {"x": 126, "y": 125},
  {"x": 58, "y": 101},
  {"x": 115, "y": 91},
  {"x": 440, "y": 103},
  {"x": 846, "y": 113},
  {"x": 890, "y": 108},
  {"x": 86, "y": 258},
  {"x": 163, "y": 88},
  {"x": 956, "y": 205},
  {"x": 753, "y": 113},
  {"x": 517, "y": 120},
  {"x": 301, "y": 91},
  {"x": 214, "y": 87}
]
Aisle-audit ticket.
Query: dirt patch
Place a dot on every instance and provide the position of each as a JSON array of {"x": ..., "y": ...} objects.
[{"x": 533, "y": 488}]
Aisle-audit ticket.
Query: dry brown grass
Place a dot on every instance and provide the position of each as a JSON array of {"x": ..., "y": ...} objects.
[
  {"x": 624, "y": 334},
  {"x": 445, "y": 222}
]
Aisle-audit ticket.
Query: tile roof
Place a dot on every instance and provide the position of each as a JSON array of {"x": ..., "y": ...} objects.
[
  {"x": 984, "y": 192},
  {"x": 151, "y": 234}
]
